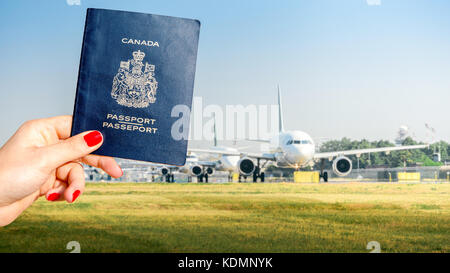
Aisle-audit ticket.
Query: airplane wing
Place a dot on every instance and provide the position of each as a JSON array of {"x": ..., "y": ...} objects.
[
  {"x": 258, "y": 140},
  {"x": 266, "y": 156},
  {"x": 235, "y": 153},
  {"x": 368, "y": 150},
  {"x": 210, "y": 151},
  {"x": 207, "y": 163}
]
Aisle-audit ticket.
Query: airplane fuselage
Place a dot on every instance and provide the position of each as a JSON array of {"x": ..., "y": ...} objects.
[
  {"x": 226, "y": 162},
  {"x": 293, "y": 149}
]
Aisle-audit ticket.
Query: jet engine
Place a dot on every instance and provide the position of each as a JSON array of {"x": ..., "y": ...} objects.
[
  {"x": 195, "y": 170},
  {"x": 342, "y": 166},
  {"x": 164, "y": 171},
  {"x": 246, "y": 166},
  {"x": 210, "y": 171}
]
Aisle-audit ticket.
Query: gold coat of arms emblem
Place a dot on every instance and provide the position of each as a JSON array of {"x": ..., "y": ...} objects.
[{"x": 133, "y": 87}]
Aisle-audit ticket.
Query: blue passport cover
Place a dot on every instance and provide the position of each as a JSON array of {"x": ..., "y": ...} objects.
[{"x": 134, "y": 69}]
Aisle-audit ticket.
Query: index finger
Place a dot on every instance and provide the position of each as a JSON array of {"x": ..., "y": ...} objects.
[{"x": 106, "y": 163}]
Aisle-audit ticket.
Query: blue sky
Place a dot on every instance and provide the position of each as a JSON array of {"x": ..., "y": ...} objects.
[{"x": 345, "y": 68}]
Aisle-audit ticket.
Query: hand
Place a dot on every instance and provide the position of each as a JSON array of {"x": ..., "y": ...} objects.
[{"x": 42, "y": 159}]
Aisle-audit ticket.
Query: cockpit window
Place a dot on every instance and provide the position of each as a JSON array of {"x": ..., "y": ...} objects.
[{"x": 290, "y": 142}]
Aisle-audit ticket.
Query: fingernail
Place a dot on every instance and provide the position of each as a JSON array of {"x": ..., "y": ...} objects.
[
  {"x": 93, "y": 138},
  {"x": 121, "y": 170},
  {"x": 75, "y": 195},
  {"x": 54, "y": 196}
]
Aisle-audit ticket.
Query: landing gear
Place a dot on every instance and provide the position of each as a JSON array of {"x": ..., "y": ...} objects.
[
  {"x": 170, "y": 178},
  {"x": 323, "y": 174},
  {"x": 240, "y": 178},
  {"x": 200, "y": 178},
  {"x": 257, "y": 173}
]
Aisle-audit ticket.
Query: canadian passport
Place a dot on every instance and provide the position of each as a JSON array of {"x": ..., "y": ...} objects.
[{"x": 135, "y": 71}]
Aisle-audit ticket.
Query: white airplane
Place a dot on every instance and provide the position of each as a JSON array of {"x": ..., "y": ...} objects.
[
  {"x": 193, "y": 167},
  {"x": 203, "y": 169},
  {"x": 294, "y": 149}
]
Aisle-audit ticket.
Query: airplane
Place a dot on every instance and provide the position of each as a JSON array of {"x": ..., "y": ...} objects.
[
  {"x": 291, "y": 149},
  {"x": 203, "y": 169},
  {"x": 193, "y": 167}
]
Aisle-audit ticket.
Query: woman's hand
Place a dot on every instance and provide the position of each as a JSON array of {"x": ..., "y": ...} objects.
[{"x": 42, "y": 159}]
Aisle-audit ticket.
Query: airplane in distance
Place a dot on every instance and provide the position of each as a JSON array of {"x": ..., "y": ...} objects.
[
  {"x": 193, "y": 167},
  {"x": 291, "y": 149},
  {"x": 203, "y": 169},
  {"x": 140, "y": 169}
]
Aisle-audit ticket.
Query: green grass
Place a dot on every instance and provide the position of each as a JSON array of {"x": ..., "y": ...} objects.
[{"x": 278, "y": 217}]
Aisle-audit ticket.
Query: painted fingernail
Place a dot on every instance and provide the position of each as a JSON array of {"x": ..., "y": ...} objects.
[
  {"x": 75, "y": 195},
  {"x": 54, "y": 196},
  {"x": 93, "y": 138}
]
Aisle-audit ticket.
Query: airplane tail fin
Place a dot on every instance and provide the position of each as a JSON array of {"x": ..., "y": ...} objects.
[
  {"x": 215, "y": 131},
  {"x": 280, "y": 112}
]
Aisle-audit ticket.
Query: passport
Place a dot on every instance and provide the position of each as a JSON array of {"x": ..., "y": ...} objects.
[{"x": 136, "y": 72}]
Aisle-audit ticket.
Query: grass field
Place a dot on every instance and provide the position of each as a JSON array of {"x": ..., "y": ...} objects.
[{"x": 277, "y": 217}]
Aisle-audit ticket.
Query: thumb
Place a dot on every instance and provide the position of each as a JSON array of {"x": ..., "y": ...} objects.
[{"x": 71, "y": 149}]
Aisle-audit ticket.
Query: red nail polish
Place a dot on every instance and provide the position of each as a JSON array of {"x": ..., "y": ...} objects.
[
  {"x": 75, "y": 195},
  {"x": 93, "y": 138},
  {"x": 54, "y": 196}
]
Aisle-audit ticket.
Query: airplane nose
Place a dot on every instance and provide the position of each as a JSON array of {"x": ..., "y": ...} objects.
[{"x": 303, "y": 155}]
